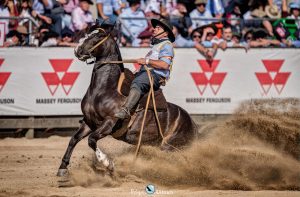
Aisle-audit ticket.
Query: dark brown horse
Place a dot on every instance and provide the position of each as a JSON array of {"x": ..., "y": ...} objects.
[{"x": 102, "y": 101}]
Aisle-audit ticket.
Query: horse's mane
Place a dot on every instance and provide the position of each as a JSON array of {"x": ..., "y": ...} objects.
[{"x": 113, "y": 29}]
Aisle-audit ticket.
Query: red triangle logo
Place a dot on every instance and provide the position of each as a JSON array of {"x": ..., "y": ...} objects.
[
  {"x": 208, "y": 66},
  {"x": 216, "y": 81},
  {"x": 60, "y": 65},
  {"x": 273, "y": 65},
  {"x": 3, "y": 79},
  {"x": 280, "y": 81},
  {"x": 52, "y": 81},
  {"x": 68, "y": 81},
  {"x": 1, "y": 62}
]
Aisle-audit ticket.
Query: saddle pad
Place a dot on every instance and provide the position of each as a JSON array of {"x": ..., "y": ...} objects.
[{"x": 160, "y": 100}]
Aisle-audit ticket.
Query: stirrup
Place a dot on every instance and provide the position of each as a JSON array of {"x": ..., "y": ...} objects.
[{"x": 124, "y": 113}]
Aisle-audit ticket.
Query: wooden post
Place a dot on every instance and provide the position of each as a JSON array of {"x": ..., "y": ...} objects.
[{"x": 30, "y": 133}]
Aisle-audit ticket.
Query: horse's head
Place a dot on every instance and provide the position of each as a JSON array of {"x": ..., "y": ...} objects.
[{"x": 94, "y": 42}]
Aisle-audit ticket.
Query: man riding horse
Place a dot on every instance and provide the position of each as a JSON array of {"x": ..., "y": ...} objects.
[{"x": 159, "y": 60}]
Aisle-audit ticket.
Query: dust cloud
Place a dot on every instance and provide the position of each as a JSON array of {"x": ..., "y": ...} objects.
[{"x": 257, "y": 148}]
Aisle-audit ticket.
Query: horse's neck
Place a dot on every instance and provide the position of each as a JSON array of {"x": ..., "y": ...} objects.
[{"x": 107, "y": 76}]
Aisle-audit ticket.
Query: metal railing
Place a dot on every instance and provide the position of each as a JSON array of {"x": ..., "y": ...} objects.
[
  {"x": 30, "y": 23},
  {"x": 121, "y": 20}
]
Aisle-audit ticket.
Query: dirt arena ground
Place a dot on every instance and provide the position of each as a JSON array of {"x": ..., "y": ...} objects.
[{"x": 255, "y": 152}]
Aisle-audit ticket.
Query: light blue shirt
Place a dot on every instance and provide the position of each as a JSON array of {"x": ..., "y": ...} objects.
[
  {"x": 38, "y": 7},
  {"x": 133, "y": 27},
  {"x": 195, "y": 15},
  {"x": 182, "y": 42},
  {"x": 165, "y": 51},
  {"x": 109, "y": 6},
  {"x": 215, "y": 6}
]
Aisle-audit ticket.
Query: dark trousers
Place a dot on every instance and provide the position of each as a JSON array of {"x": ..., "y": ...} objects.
[{"x": 142, "y": 84}]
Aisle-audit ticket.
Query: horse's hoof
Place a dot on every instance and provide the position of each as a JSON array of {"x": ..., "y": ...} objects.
[
  {"x": 111, "y": 166},
  {"x": 62, "y": 172}
]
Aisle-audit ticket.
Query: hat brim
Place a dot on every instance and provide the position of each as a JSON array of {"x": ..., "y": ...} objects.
[
  {"x": 155, "y": 22},
  {"x": 88, "y": 1}
]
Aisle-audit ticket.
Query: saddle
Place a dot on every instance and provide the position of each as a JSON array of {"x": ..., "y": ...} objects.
[{"x": 124, "y": 88}]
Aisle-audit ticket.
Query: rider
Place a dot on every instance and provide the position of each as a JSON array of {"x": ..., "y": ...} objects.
[{"x": 159, "y": 59}]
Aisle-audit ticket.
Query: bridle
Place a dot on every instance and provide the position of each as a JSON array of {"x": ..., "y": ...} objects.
[
  {"x": 100, "y": 42},
  {"x": 96, "y": 45}
]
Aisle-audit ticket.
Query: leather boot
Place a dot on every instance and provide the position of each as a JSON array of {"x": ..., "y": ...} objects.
[{"x": 131, "y": 101}]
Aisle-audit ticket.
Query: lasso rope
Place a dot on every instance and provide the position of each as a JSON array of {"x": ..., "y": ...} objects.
[{"x": 151, "y": 94}]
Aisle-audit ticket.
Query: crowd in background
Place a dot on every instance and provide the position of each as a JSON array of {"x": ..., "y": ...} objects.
[{"x": 210, "y": 23}]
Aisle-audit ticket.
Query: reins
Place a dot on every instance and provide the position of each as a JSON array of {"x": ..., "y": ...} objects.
[{"x": 151, "y": 94}]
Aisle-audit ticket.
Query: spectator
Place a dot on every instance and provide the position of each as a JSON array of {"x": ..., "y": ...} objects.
[
  {"x": 171, "y": 5},
  {"x": 106, "y": 9},
  {"x": 295, "y": 12},
  {"x": 260, "y": 39},
  {"x": 216, "y": 8},
  {"x": 11, "y": 4},
  {"x": 55, "y": 11},
  {"x": 182, "y": 20},
  {"x": 181, "y": 41},
  {"x": 69, "y": 6},
  {"x": 4, "y": 12},
  {"x": 153, "y": 6},
  {"x": 13, "y": 38},
  {"x": 24, "y": 35},
  {"x": 81, "y": 16},
  {"x": 196, "y": 35},
  {"x": 209, "y": 31},
  {"x": 145, "y": 38},
  {"x": 234, "y": 16},
  {"x": 132, "y": 28},
  {"x": 257, "y": 11},
  {"x": 67, "y": 38},
  {"x": 228, "y": 41},
  {"x": 200, "y": 12},
  {"x": 26, "y": 9},
  {"x": 50, "y": 39}
]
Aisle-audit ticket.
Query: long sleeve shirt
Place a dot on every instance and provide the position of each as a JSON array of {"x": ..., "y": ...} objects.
[
  {"x": 80, "y": 18},
  {"x": 195, "y": 15},
  {"x": 135, "y": 27}
]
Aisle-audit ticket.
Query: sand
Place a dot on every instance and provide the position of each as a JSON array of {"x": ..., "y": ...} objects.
[{"x": 254, "y": 152}]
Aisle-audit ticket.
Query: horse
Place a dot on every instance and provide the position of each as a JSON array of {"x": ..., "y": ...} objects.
[{"x": 102, "y": 101}]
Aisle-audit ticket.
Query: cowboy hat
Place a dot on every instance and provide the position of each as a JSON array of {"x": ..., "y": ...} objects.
[
  {"x": 259, "y": 13},
  {"x": 22, "y": 29},
  {"x": 294, "y": 5},
  {"x": 166, "y": 25},
  {"x": 88, "y": 1},
  {"x": 197, "y": 2},
  {"x": 272, "y": 11}
]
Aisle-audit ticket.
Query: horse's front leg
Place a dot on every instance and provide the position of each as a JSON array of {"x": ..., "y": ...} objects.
[
  {"x": 81, "y": 133},
  {"x": 101, "y": 132}
]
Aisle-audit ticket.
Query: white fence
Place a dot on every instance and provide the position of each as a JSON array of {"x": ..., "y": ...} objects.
[{"x": 52, "y": 81}]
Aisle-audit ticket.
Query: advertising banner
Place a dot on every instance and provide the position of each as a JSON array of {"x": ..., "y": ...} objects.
[{"x": 51, "y": 81}]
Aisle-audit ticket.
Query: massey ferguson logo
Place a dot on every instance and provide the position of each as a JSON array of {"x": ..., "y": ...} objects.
[
  {"x": 60, "y": 76},
  {"x": 3, "y": 76},
  {"x": 208, "y": 77},
  {"x": 273, "y": 76}
]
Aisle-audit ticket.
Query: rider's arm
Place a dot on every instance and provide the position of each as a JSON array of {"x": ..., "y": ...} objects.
[{"x": 160, "y": 64}]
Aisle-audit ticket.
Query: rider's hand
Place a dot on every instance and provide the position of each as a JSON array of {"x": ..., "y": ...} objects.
[{"x": 141, "y": 61}]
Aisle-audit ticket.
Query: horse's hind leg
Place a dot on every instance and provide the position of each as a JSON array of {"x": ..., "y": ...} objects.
[
  {"x": 100, "y": 133},
  {"x": 81, "y": 133}
]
